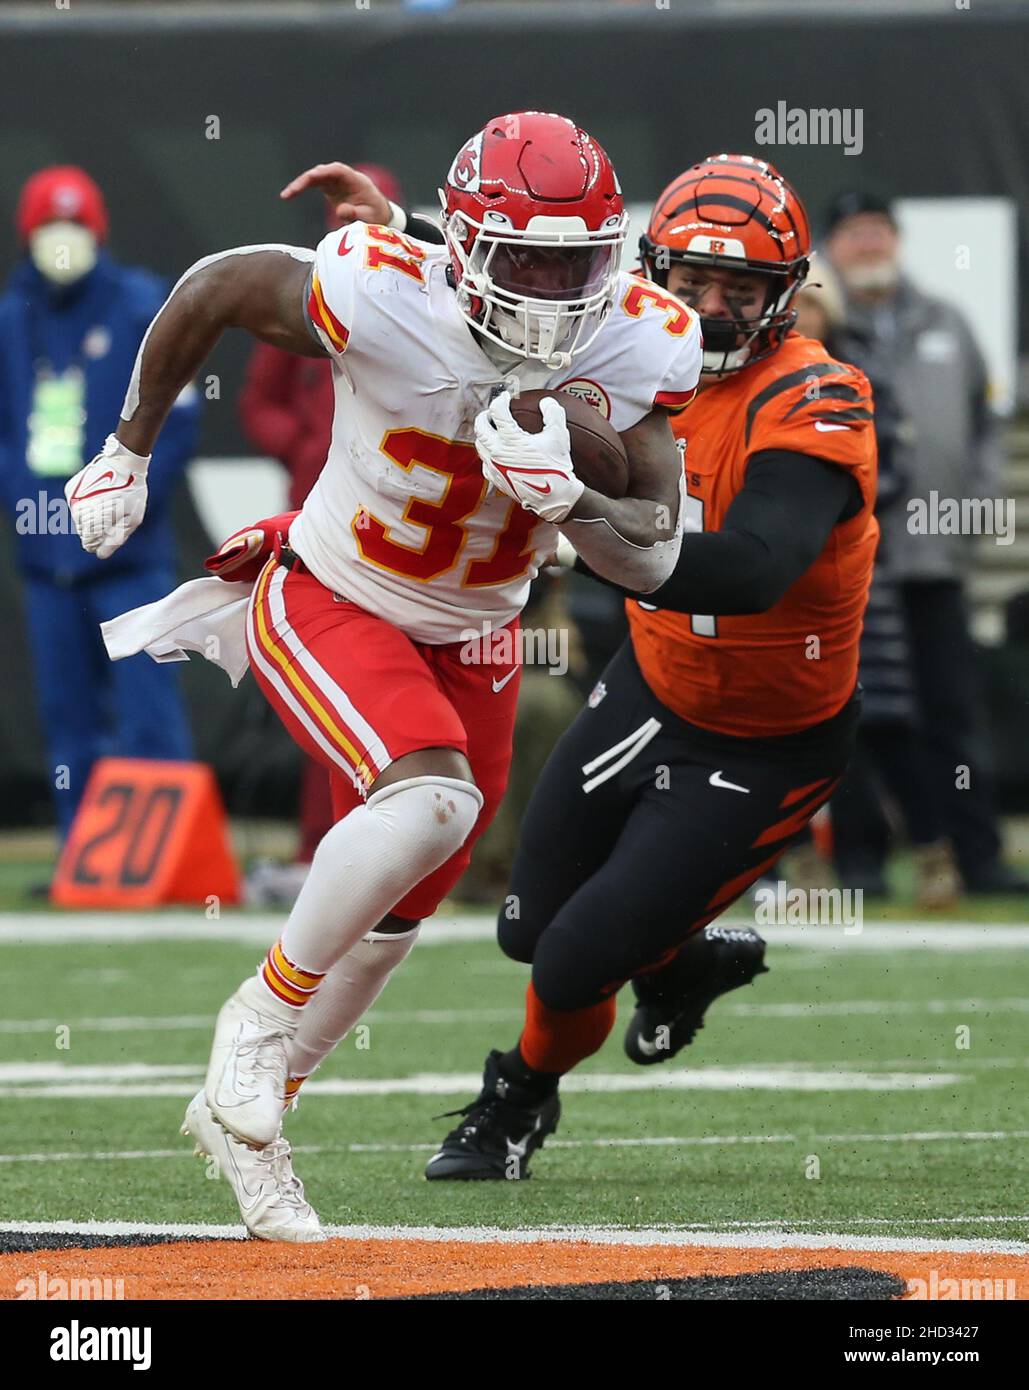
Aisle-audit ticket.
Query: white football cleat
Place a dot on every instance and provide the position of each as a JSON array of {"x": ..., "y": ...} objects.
[
  {"x": 246, "y": 1076},
  {"x": 269, "y": 1194}
]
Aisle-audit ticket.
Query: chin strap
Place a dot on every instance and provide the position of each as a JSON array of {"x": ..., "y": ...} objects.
[{"x": 559, "y": 361}]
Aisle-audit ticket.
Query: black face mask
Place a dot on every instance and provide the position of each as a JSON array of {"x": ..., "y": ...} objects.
[{"x": 720, "y": 335}]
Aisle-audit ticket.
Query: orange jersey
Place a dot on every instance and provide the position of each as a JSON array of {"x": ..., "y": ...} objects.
[{"x": 781, "y": 671}]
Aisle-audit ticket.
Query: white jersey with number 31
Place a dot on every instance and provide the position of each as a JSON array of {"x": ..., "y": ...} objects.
[{"x": 401, "y": 520}]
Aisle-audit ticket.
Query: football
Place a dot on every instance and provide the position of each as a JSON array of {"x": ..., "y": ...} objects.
[{"x": 597, "y": 449}]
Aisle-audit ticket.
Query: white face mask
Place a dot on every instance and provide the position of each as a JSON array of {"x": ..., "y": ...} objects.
[
  {"x": 63, "y": 251},
  {"x": 872, "y": 277}
]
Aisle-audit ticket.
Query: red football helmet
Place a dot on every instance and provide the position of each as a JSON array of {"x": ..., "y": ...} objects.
[
  {"x": 737, "y": 213},
  {"x": 535, "y": 223}
]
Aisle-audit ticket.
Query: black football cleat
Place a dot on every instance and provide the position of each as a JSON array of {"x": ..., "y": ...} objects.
[
  {"x": 671, "y": 1003},
  {"x": 501, "y": 1130}
]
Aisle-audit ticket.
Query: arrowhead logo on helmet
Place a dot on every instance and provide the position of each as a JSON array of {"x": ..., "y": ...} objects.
[
  {"x": 464, "y": 172},
  {"x": 535, "y": 223}
]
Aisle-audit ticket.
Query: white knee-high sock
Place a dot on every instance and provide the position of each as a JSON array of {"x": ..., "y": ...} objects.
[
  {"x": 370, "y": 859},
  {"x": 348, "y": 991}
]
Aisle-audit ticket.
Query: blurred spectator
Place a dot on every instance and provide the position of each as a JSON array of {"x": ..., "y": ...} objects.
[
  {"x": 1007, "y": 683},
  {"x": 71, "y": 321},
  {"x": 285, "y": 409},
  {"x": 889, "y": 754},
  {"x": 923, "y": 350},
  {"x": 820, "y": 304}
]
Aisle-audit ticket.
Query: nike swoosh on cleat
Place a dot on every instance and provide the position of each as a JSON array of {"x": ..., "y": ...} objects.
[
  {"x": 240, "y": 1187},
  {"x": 716, "y": 779},
  {"x": 519, "y": 1148},
  {"x": 648, "y": 1048}
]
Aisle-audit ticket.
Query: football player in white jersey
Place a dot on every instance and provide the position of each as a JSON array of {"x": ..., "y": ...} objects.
[{"x": 430, "y": 519}]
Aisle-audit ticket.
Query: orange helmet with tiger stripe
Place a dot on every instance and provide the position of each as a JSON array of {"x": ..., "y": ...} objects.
[{"x": 735, "y": 212}]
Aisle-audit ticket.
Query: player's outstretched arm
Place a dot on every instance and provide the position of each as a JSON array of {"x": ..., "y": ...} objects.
[
  {"x": 259, "y": 288},
  {"x": 352, "y": 196},
  {"x": 775, "y": 528}
]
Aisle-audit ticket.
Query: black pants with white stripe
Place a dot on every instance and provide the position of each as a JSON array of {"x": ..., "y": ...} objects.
[{"x": 643, "y": 828}]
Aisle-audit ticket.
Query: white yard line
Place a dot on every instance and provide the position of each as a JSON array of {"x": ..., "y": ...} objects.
[
  {"x": 143, "y": 1023},
  {"x": 101, "y": 1071},
  {"x": 21, "y": 1081},
  {"x": 28, "y": 929},
  {"x": 645, "y": 1142},
  {"x": 253, "y": 929},
  {"x": 749, "y": 1237},
  {"x": 842, "y": 1007}
]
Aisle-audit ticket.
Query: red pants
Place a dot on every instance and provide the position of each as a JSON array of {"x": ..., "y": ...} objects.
[{"x": 356, "y": 694}]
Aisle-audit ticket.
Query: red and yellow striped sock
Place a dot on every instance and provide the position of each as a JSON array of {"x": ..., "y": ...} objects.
[
  {"x": 286, "y": 980},
  {"x": 293, "y": 1085}
]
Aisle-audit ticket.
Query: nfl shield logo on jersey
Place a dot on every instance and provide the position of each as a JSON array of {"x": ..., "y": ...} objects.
[
  {"x": 591, "y": 393},
  {"x": 597, "y": 694}
]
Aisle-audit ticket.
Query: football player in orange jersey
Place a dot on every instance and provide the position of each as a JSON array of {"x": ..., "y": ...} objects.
[{"x": 727, "y": 718}]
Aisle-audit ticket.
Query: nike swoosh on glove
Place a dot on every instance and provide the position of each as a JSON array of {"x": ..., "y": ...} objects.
[
  {"x": 535, "y": 470},
  {"x": 107, "y": 498}
]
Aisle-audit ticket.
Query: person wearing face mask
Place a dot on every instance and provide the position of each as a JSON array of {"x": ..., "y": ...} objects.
[
  {"x": 71, "y": 322},
  {"x": 948, "y": 444}
]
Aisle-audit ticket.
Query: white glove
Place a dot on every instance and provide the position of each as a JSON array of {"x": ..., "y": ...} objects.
[
  {"x": 533, "y": 469},
  {"x": 107, "y": 498}
]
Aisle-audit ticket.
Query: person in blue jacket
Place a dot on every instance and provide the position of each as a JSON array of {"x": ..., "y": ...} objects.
[{"x": 71, "y": 322}]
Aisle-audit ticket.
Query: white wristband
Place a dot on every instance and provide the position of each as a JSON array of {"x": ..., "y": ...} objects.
[
  {"x": 114, "y": 448},
  {"x": 398, "y": 217}
]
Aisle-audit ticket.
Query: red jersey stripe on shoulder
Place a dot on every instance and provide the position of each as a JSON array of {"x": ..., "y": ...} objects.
[{"x": 323, "y": 317}]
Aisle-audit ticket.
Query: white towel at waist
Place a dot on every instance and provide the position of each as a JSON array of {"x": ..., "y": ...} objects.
[{"x": 204, "y": 615}]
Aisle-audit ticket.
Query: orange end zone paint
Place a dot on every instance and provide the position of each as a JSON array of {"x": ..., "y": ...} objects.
[{"x": 360, "y": 1269}]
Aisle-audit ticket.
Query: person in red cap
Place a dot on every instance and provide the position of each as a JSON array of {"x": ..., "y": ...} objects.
[
  {"x": 62, "y": 219},
  {"x": 71, "y": 322}
]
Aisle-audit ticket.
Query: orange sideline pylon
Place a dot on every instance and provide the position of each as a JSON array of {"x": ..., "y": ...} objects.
[{"x": 147, "y": 833}]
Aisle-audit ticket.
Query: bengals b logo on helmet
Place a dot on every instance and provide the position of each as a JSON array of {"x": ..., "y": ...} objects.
[{"x": 731, "y": 204}]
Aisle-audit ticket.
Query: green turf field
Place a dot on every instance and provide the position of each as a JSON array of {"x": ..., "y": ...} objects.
[{"x": 845, "y": 1054}]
